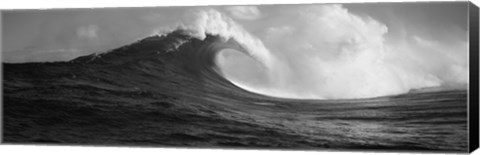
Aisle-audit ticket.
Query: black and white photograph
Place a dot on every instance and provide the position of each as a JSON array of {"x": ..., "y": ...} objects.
[{"x": 381, "y": 76}]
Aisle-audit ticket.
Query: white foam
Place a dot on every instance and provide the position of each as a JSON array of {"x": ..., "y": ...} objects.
[{"x": 331, "y": 53}]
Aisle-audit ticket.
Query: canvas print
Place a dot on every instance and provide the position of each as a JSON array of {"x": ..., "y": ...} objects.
[{"x": 374, "y": 76}]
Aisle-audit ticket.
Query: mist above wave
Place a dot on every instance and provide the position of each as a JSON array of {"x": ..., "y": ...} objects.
[{"x": 328, "y": 52}]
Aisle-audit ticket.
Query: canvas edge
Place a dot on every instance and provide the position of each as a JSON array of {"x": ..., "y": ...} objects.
[{"x": 473, "y": 115}]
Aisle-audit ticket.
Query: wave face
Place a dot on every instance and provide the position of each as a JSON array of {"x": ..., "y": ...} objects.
[{"x": 173, "y": 90}]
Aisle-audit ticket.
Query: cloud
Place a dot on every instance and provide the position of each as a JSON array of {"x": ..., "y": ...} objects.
[
  {"x": 244, "y": 12},
  {"x": 88, "y": 32}
]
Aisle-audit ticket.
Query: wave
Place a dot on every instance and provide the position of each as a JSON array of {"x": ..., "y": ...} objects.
[
  {"x": 177, "y": 53},
  {"x": 209, "y": 82},
  {"x": 344, "y": 65}
]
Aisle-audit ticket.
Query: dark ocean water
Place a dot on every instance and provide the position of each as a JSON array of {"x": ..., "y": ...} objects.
[{"x": 151, "y": 93}]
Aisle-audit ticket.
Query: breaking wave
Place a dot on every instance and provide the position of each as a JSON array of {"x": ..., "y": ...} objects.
[{"x": 352, "y": 62}]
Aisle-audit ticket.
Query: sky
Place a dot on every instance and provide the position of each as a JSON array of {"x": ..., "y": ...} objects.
[
  {"x": 63, "y": 34},
  {"x": 383, "y": 48}
]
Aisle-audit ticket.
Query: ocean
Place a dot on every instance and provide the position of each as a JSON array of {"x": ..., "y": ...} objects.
[{"x": 165, "y": 91}]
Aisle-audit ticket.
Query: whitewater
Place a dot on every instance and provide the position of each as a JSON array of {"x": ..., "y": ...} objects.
[{"x": 343, "y": 56}]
